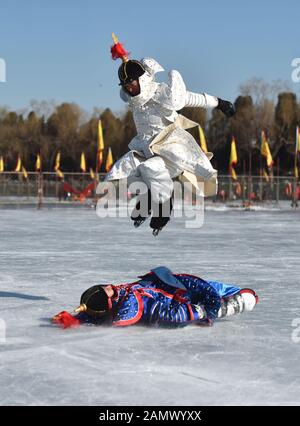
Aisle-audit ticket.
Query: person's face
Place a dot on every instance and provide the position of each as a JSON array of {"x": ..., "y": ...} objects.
[{"x": 132, "y": 88}]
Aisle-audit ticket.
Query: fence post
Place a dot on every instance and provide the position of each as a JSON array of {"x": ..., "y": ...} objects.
[
  {"x": 40, "y": 190},
  {"x": 295, "y": 201},
  {"x": 278, "y": 182}
]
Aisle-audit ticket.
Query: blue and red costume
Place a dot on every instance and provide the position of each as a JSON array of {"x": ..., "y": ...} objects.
[{"x": 162, "y": 298}]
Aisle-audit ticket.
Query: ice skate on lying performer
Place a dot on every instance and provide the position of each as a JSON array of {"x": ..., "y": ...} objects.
[
  {"x": 160, "y": 298},
  {"x": 162, "y": 149}
]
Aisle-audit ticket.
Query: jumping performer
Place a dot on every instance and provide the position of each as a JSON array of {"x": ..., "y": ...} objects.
[{"x": 162, "y": 149}]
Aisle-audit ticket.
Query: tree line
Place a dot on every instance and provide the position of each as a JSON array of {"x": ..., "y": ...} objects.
[{"x": 68, "y": 130}]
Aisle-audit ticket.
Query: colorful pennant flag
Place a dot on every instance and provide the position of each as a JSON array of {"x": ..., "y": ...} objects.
[
  {"x": 265, "y": 149},
  {"x": 100, "y": 145},
  {"x": 19, "y": 165},
  {"x": 298, "y": 140},
  {"x": 109, "y": 160},
  {"x": 83, "y": 162},
  {"x": 57, "y": 162},
  {"x": 202, "y": 140},
  {"x": 38, "y": 163},
  {"x": 92, "y": 174},
  {"x": 233, "y": 159},
  {"x": 60, "y": 174},
  {"x": 24, "y": 171}
]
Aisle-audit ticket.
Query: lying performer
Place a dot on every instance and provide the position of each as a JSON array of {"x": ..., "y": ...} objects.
[
  {"x": 160, "y": 298},
  {"x": 162, "y": 149}
]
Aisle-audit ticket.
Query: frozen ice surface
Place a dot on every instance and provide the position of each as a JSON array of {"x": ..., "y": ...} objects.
[{"x": 47, "y": 259}]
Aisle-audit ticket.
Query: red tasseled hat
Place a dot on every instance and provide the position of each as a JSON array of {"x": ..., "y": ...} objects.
[{"x": 118, "y": 51}]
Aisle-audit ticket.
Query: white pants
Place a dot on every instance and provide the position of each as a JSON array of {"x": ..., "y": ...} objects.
[{"x": 156, "y": 175}]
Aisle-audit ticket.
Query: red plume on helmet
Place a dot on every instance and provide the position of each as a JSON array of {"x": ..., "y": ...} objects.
[
  {"x": 66, "y": 320},
  {"x": 129, "y": 70},
  {"x": 118, "y": 51}
]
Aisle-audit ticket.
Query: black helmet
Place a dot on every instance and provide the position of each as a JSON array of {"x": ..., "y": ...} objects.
[
  {"x": 129, "y": 71},
  {"x": 95, "y": 302}
]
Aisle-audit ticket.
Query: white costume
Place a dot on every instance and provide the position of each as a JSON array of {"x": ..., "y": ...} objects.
[{"x": 162, "y": 148}]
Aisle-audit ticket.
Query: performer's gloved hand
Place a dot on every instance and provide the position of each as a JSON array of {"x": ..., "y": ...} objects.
[{"x": 226, "y": 107}]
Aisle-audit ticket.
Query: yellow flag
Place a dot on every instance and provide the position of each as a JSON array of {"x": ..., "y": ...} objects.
[
  {"x": 233, "y": 159},
  {"x": 57, "y": 166},
  {"x": 92, "y": 174},
  {"x": 100, "y": 158},
  {"x": 59, "y": 173},
  {"x": 265, "y": 149},
  {"x": 38, "y": 163},
  {"x": 297, "y": 139},
  {"x": 24, "y": 171},
  {"x": 233, "y": 154},
  {"x": 57, "y": 162},
  {"x": 83, "y": 162},
  {"x": 109, "y": 160},
  {"x": 202, "y": 140},
  {"x": 100, "y": 144},
  {"x": 19, "y": 165},
  {"x": 100, "y": 137},
  {"x": 233, "y": 173},
  {"x": 1, "y": 164}
]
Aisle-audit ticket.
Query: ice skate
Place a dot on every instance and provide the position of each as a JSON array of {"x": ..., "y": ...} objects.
[
  {"x": 142, "y": 209},
  {"x": 139, "y": 221},
  {"x": 244, "y": 301},
  {"x": 157, "y": 224},
  {"x": 161, "y": 216}
]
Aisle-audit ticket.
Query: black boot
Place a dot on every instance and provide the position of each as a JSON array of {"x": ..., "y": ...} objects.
[
  {"x": 161, "y": 216},
  {"x": 136, "y": 216}
]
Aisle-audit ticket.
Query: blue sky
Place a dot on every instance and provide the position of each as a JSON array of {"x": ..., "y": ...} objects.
[{"x": 60, "y": 49}]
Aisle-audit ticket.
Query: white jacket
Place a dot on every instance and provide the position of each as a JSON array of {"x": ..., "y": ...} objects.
[{"x": 161, "y": 130}]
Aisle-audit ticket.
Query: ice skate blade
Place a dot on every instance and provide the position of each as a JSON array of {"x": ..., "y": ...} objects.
[
  {"x": 155, "y": 232},
  {"x": 138, "y": 223}
]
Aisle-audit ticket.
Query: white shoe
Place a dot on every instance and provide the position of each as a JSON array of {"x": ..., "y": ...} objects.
[
  {"x": 250, "y": 299},
  {"x": 244, "y": 300}
]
